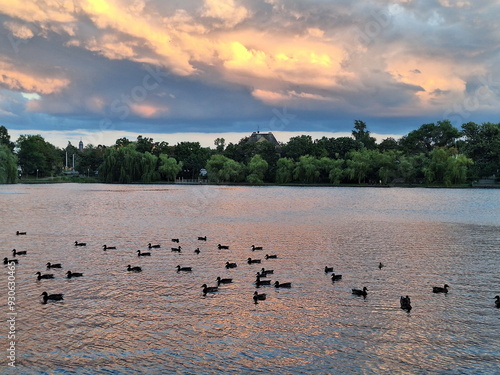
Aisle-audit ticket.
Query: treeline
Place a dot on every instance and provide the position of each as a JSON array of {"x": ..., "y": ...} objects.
[{"x": 435, "y": 153}]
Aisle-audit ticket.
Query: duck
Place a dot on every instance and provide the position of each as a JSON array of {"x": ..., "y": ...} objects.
[
  {"x": 405, "y": 303},
  {"x": 272, "y": 256},
  {"x": 438, "y": 289},
  {"x": 277, "y": 284},
  {"x": 336, "y": 277},
  {"x": 256, "y": 247},
  {"x": 185, "y": 269},
  {"x": 360, "y": 292},
  {"x": 328, "y": 269},
  {"x": 106, "y": 247},
  {"x": 175, "y": 240},
  {"x": 51, "y": 297},
  {"x": 259, "y": 297},
  {"x": 177, "y": 249},
  {"x": 223, "y": 247},
  {"x": 141, "y": 254},
  {"x": 266, "y": 272},
  {"x": 197, "y": 250},
  {"x": 259, "y": 282},
  {"x": 209, "y": 289},
  {"x": 497, "y": 302},
  {"x": 16, "y": 253},
  {"x": 70, "y": 274},
  {"x": 251, "y": 261},
  {"x": 224, "y": 281},
  {"x": 260, "y": 274},
  {"x": 380, "y": 265},
  {"x": 7, "y": 261},
  {"x": 45, "y": 276},
  {"x": 20, "y": 233},
  {"x": 134, "y": 269},
  {"x": 55, "y": 265},
  {"x": 202, "y": 238},
  {"x": 231, "y": 265},
  {"x": 80, "y": 243},
  {"x": 153, "y": 246}
]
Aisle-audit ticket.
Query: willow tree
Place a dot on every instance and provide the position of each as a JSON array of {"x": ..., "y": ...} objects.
[
  {"x": 8, "y": 165},
  {"x": 125, "y": 165},
  {"x": 169, "y": 167},
  {"x": 307, "y": 169},
  {"x": 223, "y": 169},
  {"x": 284, "y": 170},
  {"x": 256, "y": 169}
]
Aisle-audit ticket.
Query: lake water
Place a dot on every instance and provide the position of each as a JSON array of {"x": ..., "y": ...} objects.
[{"x": 158, "y": 322}]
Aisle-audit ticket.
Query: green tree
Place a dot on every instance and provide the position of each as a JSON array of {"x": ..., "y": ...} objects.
[
  {"x": 256, "y": 169},
  {"x": 193, "y": 157},
  {"x": 359, "y": 164},
  {"x": 38, "y": 157},
  {"x": 331, "y": 170},
  {"x": 222, "y": 169},
  {"x": 284, "y": 170},
  {"x": 5, "y": 138},
  {"x": 362, "y": 135},
  {"x": 220, "y": 145},
  {"x": 169, "y": 167},
  {"x": 125, "y": 165},
  {"x": 482, "y": 145},
  {"x": 307, "y": 169},
  {"x": 90, "y": 159},
  {"x": 8, "y": 165},
  {"x": 144, "y": 144},
  {"x": 429, "y": 136},
  {"x": 298, "y": 146}
]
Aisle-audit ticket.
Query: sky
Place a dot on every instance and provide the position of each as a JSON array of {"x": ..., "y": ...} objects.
[{"x": 98, "y": 70}]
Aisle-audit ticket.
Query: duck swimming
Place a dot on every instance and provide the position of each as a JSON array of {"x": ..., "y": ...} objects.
[
  {"x": 259, "y": 297},
  {"x": 51, "y": 297},
  {"x": 70, "y": 274},
  {"x": 16, "y": 253},
  {"x": 360, "y": 292},
  {"x": 209, "y": 289},
  {"x": 140, "y": 254},
  {"x": 405, "y": 303},
  {"x": 223, "y": 281},
  {"x": 277, "y": 284},
  {"x": 45, "y": 276},
  {"x": 134, "y": 269},
  {"x": 438, "y": 289},
  {"x": 55, "y": 265},
  {"x": 336, "y": 277}
]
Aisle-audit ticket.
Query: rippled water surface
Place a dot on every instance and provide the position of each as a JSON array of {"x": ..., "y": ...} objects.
[{"x": 158, "y": 322}]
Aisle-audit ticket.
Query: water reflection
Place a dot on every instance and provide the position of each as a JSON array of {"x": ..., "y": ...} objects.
[{"x": 159, "y": 322}]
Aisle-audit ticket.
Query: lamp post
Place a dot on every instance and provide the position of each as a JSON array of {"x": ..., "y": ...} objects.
[{"x": 37, "y": 173}]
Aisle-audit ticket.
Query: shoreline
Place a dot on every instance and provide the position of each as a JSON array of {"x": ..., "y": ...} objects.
[{"x": 410, "y": 186}]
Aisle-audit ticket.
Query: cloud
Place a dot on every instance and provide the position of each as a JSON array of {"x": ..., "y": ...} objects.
[
  {"x": 12, "y": 78},
  {"x": 232, "y": 63}
]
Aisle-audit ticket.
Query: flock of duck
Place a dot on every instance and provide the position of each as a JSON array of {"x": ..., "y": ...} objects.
[{"x": 260, "y": 280}]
